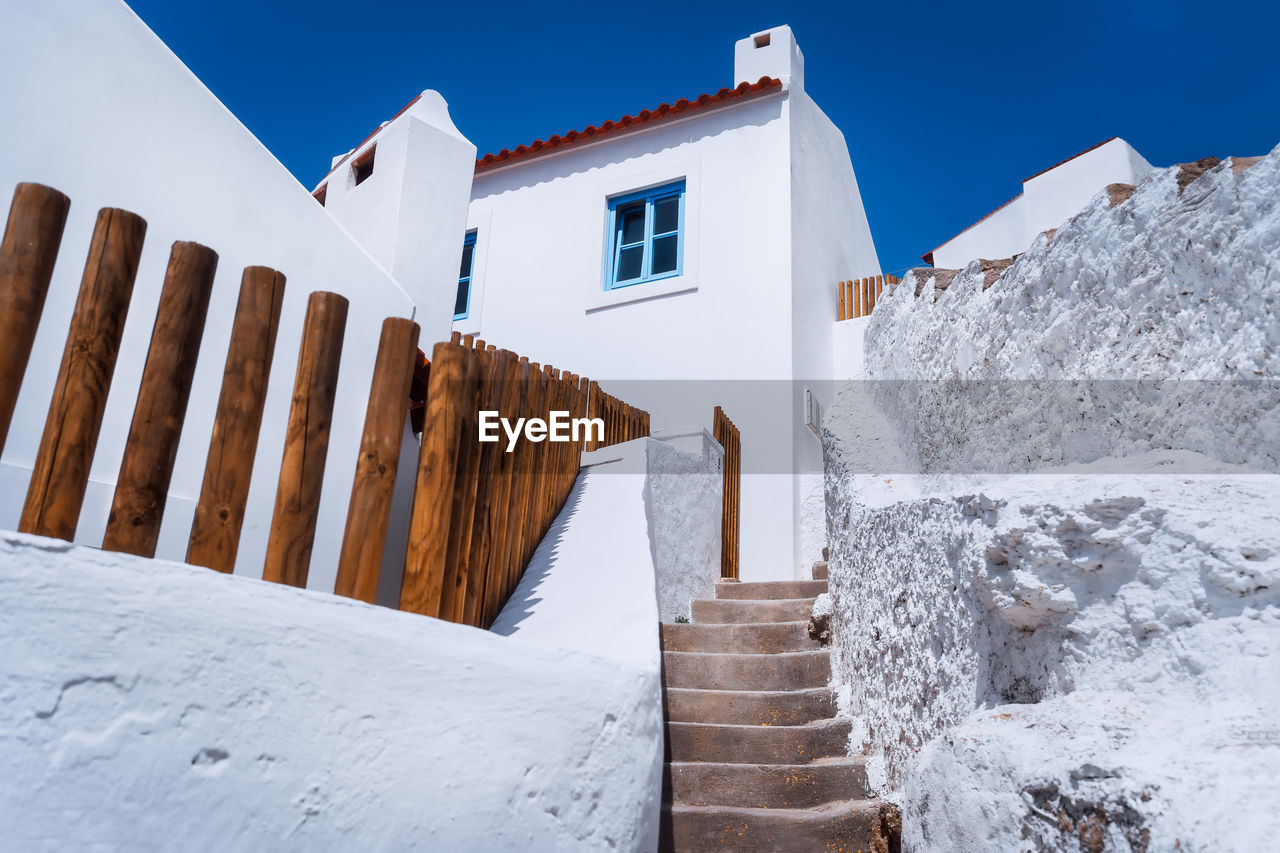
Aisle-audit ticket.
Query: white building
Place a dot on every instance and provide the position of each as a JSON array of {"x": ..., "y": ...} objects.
[
  {"x": 1048, "y": 199},
  {"x": 685, "y": 257}
]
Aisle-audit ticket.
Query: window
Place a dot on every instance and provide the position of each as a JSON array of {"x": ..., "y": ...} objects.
[
  {"x": 462, "y": 305},
  {"x": 646, "y": 237},
  {"x": 321, "y": 193},
  {"x": 362, "y": 168}
]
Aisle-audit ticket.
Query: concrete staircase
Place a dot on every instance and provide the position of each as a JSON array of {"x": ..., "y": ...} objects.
[{"x": 756, "y": 760}]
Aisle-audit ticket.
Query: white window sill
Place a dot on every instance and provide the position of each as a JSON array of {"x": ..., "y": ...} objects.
[{"x": 672, "y": 286}]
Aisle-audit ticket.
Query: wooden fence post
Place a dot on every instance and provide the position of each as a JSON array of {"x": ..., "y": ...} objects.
[
  {"x": 727, "y": 434},
  {"x": 61, "y": 472},
  {"x": 360, "y": 561},
  {"x": 306, "y": 444},
  {"x": 142, "y": 488},
  {"x": 28, "y": 251},
  {"x": 533, "y": 472},
  {"x": 494, "y": 594},
  {"x": 423, "y": 582},
  {"x": 215, "y": 530},
  {"x": 457, "y": 568},
  {"x": 594, "y": 411},
  {"x": 520, "y": 482},
  {"x": 489, "y": 398}
]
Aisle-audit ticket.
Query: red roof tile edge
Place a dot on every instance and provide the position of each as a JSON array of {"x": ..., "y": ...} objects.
[
  {"x": 927, "y": 257},
  {"x": 627, "y": 123}
]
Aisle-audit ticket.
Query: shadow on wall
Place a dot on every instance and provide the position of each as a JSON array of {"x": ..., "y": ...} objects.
[{"x": 523, "y": 601}]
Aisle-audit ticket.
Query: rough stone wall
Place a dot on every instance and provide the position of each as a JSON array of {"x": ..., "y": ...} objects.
[{"x": 1076, "y": 658}]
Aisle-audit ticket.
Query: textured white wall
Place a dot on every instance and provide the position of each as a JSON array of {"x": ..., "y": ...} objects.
[
  {"x": 152, "y": 706},
  {"x": 684, "y": 497},
  {"x": 99, "y": 108},
  {"x": 1078, "y": 640}
]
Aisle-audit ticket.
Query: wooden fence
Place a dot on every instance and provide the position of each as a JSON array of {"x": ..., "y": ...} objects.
[
  {"x": 478, "y": 511},
  {"x": 858, "y": 298},
  {"x": 727, "y": 434}
]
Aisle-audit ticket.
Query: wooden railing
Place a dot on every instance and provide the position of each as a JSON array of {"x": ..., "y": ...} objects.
[
  {"x": 858, "y": 297},
  {"x": 727, "y": 434},
  {"x": 478, "y": 511}
]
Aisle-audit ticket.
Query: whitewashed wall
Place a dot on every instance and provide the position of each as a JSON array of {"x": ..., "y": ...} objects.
[
  {"x": 766, "y": 178},
  {"x": 847, "y": 357},
  {"x": 1047, "y": 200},
  {"x": 830, "y": 242},
  {"x": 96, "y": 106},
  {"x": 152, "y": 706},
  {"x": 539, "y": 286}
]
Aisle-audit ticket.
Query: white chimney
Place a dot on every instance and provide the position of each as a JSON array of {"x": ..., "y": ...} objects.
[{"x": 769, "y": 53}]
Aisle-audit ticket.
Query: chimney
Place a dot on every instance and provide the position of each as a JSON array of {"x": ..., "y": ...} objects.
[{"x": 769, "y": 53}]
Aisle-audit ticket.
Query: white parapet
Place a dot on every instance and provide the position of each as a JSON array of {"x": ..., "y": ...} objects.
[{"x": 153, "y": 706}]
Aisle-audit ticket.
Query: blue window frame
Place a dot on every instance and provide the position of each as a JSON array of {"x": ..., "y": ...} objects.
[
  {"x": 462, "y": 305},
  {"x": 646, "y": 236}
]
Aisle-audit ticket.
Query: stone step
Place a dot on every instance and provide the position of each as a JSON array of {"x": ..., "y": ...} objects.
[
  {"x": 770, "y": 590},
  {"x": 750, "y": 707},
  {"x": 820, "y": 570},
  {"x": 720, "y": 671},
  {"x": 748, "y": 639},
  {"x": 720, "y": 611},
  {"x": 733, "y": 744},
  {"x": 850, "y": 825},
  {"x": 769, "y": 786}
]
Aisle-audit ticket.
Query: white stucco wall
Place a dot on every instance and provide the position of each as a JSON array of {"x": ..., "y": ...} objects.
[
  {"x": 830, "y": 242},
  {"x": 1047, "y": 200},
  {"x": 767, "y": 179},
  {"x": 96, "y": 106},
  {"x": 643, "y": 520},
  {"x": 847, "y": 358},
  {"x": 152, "y": 706},
  {"x": 663, "y": 346}
]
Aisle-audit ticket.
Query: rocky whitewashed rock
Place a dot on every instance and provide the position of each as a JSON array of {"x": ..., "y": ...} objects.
[{"x": 1057, "y": 595}]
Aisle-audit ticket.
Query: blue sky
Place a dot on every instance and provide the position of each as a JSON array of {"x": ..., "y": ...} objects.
[{"x": 946, "y": 106}]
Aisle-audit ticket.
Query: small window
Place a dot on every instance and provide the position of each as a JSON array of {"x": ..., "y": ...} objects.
[
  {"x": 646, "y": 236},
  {"x": 362, "y": 168},
  {"x": 762, "y": 40},
  {"x": 462, "y": 305},
  {"x": 321, "y": 193}
]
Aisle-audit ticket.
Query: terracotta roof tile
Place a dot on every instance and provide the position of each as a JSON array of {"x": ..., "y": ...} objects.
[{"x": 764, "y": 85}]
